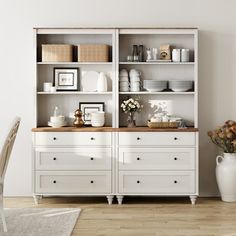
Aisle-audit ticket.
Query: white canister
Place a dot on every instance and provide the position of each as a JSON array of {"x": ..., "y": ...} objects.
[
  {"x": 185, "y": 55},
  {"x": 47, "y": 87},
  {"x": 176, "y": 55}
]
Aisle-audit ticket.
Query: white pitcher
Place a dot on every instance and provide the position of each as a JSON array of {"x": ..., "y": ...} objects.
[
  {"x": 226, "y": 176},
  {"x": 102, "y": 82}
]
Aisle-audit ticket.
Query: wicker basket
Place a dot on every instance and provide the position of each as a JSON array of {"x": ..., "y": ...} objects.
[
  {"x": 57, "y": 53},
  {"x": 93, "y": 53},
  {"x": 159, "y": 125}
]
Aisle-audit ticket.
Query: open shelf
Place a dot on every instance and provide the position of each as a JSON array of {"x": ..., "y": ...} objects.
[
  {"x": 74, "y": 63},
  {"x": 75, "y": 92},
  {"x": 156, "y": 63},
  {"x": 158, "y": 93}
]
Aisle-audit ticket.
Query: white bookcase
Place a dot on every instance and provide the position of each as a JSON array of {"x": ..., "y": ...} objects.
[{"x": 139, "y": 161}]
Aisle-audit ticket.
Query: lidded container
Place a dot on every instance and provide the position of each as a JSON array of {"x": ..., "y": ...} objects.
[
  {"x": 176, "y": 55},
  {"x": 184, "y": 55}
]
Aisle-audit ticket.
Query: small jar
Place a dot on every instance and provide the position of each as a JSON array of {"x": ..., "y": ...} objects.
[
  {"x": 184, "y": 55},
  {"x": 176, "y": 55}
]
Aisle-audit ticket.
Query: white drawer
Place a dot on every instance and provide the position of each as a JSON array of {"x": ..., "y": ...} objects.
[
  {"x": 73, "y": 159},
  {"x": 156, "y": 158},
  {"x": 156, "y": 182},
  {"x": 156, "y": 138},
  {"x": 83, "y": 182},
  {"x": 72, "y": 138}
]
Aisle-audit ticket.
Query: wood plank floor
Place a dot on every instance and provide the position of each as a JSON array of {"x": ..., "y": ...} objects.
[{"x": 144, "y": 216}]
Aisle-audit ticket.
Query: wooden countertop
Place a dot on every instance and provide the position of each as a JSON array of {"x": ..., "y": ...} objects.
[{"x": 110, "y": 129}]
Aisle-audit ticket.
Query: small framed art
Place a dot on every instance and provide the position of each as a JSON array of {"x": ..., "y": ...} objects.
[
  {"x": 88, "y": 107},
  {"x": 66, "y": 79}
]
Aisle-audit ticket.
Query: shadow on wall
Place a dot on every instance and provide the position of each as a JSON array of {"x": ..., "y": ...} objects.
[{"x": 216, "y": 93}]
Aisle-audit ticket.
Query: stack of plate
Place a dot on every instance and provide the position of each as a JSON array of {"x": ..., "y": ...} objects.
[
  {"x": 124, "y": 80},
  {"x": 180, "y": 85},
  {"x": 155, "y": 85}
]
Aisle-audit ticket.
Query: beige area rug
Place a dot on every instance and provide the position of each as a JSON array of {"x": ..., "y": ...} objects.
[{"x": 40, "y": 221}]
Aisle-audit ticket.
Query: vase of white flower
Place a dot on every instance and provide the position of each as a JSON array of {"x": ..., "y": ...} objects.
[{"x": 131, "y": 106}]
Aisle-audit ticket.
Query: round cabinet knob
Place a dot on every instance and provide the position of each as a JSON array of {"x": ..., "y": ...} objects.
[
  {"x": 91, "y": 158},
  {"x": 138, "y": 181},
  {"x": 175, "y": 158},
  {"x": 138, "y": 158},
  {"x": 54, "y": 138},
  {"x": 175, "y": 181},
  {"x": 54, "y": 158},
  {"x": 91, "y": 181},
  {"x": 138, "y": 138},
  {"x": 175, "y": 138},
  {"x": 92, "y": 138},
  {"x": 54, "y": 181}
]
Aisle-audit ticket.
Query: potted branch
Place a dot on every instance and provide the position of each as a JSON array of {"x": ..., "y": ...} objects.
[{"x": 225, "y": 138}]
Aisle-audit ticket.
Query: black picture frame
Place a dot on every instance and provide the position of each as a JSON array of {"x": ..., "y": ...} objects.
[
  {"x": 90, "y": 106},
  {"x": 66, "y": 78}
]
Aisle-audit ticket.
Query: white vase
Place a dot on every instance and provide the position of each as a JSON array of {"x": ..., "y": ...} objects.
[
  {"x": 226, "y": 176},
  {"x": 102, "y": 82}
]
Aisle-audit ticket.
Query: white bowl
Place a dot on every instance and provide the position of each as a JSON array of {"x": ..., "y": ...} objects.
[
  {"x": 57, "y": 119},
  {"x": 155, "y": 85},
  {"x": 180, "y": 85},
  {"x": 123, "y": 72},
  {"x": 134, "y": 72}
]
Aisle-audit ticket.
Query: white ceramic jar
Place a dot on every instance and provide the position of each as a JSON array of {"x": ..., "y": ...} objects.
[
  {"x": 184, "y": 55},
  {"x": 98, "y": 119},
  {"x": 176, "y": 55},
  {"x": 226, "y": 176}
]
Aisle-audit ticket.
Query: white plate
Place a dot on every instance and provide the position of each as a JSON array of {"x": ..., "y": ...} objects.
[
  {"x": 57, "y": 125},
  {"x": 89, "y": 81}
]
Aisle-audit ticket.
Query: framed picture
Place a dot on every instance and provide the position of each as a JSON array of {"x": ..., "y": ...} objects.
[
  {"x": 66, "y": 79},
  {"x": 88, "y": 107}
]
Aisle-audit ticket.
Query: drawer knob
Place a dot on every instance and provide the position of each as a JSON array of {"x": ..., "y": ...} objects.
[
  {"x": 175, "y": 181},
  {"x": 138, "y": 138},
  {"x": 175, "y": 138},
  {"x": 138, "y": 158},
  {"x": 91, "y": 158},
  {"x": 175, "y": 158},
  {"x": 54, "y": 181},
  {"x": 138, "y": 181},
  {"x": 91, "y": 181},
  {"x": 54, "y": 158},
  {"x": 92, "y": 138},
  {"x": 54, "y": 138}
]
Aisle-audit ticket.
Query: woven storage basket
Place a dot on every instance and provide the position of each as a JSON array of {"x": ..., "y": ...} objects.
[
  {"x": 93, "y": 53},
  {"x": 154, "y": 125},
  {"x": 57, "y": 53}
]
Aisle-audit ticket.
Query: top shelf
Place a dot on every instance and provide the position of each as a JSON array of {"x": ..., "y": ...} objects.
[{"x": 74, "y": 63}]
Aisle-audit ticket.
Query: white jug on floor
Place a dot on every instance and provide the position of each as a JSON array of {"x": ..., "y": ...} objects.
[{"x": 102, "y": 82}]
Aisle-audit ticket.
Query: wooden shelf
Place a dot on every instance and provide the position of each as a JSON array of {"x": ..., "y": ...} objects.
[
  {"x": 76, "y": 93},
  {"x": 74, "y": 63},
  {"x": 156, "y": 63},
  {"x": 158, "y": 93},
  {"x": 110, "y": 129}
]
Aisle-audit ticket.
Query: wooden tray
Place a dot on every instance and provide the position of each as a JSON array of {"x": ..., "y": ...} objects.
[{"x": 159, "y": 125}]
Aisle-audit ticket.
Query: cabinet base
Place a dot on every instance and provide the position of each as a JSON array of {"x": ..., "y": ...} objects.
[
  {"x": 119, "y": 199},
  {"x": 110, "y": 199},
  {"x": 37, "y": 199}
]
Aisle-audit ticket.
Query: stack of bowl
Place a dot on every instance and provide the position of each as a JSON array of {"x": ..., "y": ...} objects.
[
  {"x": 124, "y": 80},
  {"x": 180, "y": 85},
  {"x": 98, "y": 119},
  {"x": 135, "y": 83},
  {"x": 155, "y": 85},
  {"x": 57, "y": 121}
]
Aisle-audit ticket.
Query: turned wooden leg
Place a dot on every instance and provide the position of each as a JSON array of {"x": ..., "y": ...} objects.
[
  {"x": 2, "y": 214},
  {"x": 37, "y": 198},
  {"x": 119, "y": 199},
  {"x": 193, "y": 199},
  {"x": 110, "y": 199}
]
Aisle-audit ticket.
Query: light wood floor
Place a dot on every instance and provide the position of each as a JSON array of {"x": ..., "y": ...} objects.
[{"x": 145, "y": 216}]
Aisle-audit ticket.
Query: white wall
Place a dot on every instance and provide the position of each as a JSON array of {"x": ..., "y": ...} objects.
[{"x": 217, "y": 44}]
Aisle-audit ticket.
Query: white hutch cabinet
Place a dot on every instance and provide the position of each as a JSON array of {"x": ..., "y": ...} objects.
[{"x": 115, "y": 160}]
